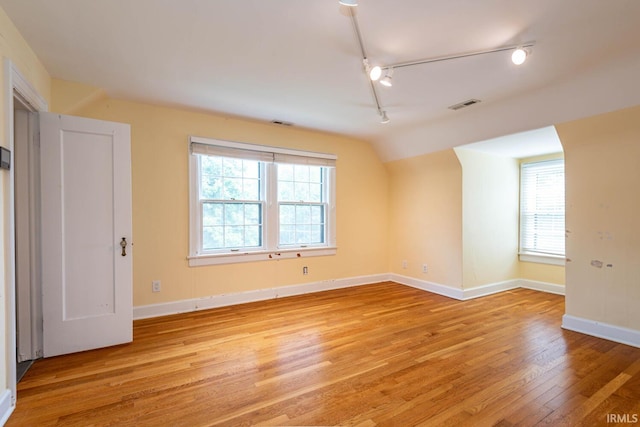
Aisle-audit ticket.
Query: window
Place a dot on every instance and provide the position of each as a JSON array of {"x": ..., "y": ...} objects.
[
  {"x": 301, "y": 205},
  {"x": 231, "y": 203},
  {"x": 251, "y": 202},
  {"x": 542, "y": 229}
]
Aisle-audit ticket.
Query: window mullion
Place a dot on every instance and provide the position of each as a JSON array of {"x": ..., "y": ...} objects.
[{"x": 271, "y": 212}]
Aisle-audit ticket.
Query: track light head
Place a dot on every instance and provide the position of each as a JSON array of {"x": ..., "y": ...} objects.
[
  {"x": 519, "y": 56},
  {"x": 375, "y": 73},
  {"x": 384, "y": 118},
  {"x": 350, "y": 3},
  {"x": 387, "y": 79}
]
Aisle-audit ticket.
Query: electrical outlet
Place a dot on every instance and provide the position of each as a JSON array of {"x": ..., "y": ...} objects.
[
  {"x": 155, "y": 286},
  {"x": 404, "y": 263},
  {"x": 425, "y": 268},
  {"x": 305, "y": 270}
]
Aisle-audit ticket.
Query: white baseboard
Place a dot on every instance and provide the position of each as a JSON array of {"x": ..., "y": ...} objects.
[
  {"x": 479, "y": 291},
  {"x": 424, "y": 285},
  {"x": 601, "y": 330},
  {"x": 491, "y": 288},
  {"x": 551, "y": 288},
  {"x": 6, "y": 407},
  {"x": 223, "y": 300}
]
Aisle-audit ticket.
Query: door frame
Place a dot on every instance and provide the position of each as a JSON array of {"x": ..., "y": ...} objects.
[{"x": 14, "y": 83}]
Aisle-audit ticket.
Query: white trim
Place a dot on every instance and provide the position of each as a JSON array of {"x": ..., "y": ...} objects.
[
  {"x": 479, "y": 291},
  {"x": 424, "y": 285},
  {"x": 260, "y": 148},
  {"x": 542, "y": 259},
  {"x": 601, "y": 330},
  {"x": 490, "y": 289},
  {"x": 223, "y": 300},
  {"x": 6, "y": 407},
  {"x": 14, "y": 82},
  {"x": 551, "y": 288},
  {"x": 216, "y": 259}
]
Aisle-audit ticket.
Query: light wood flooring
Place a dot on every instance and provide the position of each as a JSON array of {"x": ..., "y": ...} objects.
[{"x": 381, "y": 354}]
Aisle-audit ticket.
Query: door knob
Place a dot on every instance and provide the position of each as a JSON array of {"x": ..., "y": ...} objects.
[{"x": 123, "y": 245}]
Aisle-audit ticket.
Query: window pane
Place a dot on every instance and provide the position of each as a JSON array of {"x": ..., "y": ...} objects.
[
  {"x": 210, "y": 187},
  {"x": 233, "y": 214},
  {"x": 210, "y": 165},
  {"x": 302, "y": 191},
  {"x": 287, "y": 214},
  {"x": 303, "y": 214},
  {"x": 252, "y": 236},
  {"x": 212, "y": 214},
  {"x": 303, "y": 234},
  {"x": 317, "y": 234},
  {"x": 234, "y": 236},
  {"x": 315, "y": 193},
  {"x": 252, "y": 214},
  {"x": 232, "y": 167},
  {"x": 317, "y": 214},
  {"x": 285, "y": 172},
  {"x": 286, "y": 191},
  {"x": 212, "y": 238},
  {"x": 287, "y": 234},
  {"x": 233, "y": 188},
  {"x": 315, "y": 174},
  {"x": 301, "y": 173},
  {"x": 251, "y": 169},
  {"x": 251, "y": 190}
]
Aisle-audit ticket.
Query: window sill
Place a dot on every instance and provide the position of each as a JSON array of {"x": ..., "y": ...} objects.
[
  {"x": 234, "y": 258},
  {"x": 543, "y": 259}
]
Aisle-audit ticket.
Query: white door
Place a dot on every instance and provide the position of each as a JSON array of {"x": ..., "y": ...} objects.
[{"x": 85, "y": 172}]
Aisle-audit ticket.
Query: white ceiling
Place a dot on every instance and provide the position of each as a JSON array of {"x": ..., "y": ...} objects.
[
  {"x": 521, "y": 145},
  {"x": 299, "y": 61}
]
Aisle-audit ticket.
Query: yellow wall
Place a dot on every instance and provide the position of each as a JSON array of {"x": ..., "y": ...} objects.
[
  {"x": 425, "y": 199},
  {"x": 16, "y": 49},
  {"x": 160, "y": 200},
  {"x": 490, "y": 188},
  {"x": 602, "y": 164},
  {"x": 538, "y": 272}
]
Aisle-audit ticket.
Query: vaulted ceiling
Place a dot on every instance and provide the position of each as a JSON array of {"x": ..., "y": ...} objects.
[{"x": 299, "y": 61}]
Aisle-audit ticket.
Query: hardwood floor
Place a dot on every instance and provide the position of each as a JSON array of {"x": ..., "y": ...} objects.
[{"x": 381, "y": 354}]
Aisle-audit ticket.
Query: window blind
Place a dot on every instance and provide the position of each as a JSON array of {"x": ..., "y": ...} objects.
[
  {"x": 261, "y": 153},
  {"x": 542, "y": 228}
]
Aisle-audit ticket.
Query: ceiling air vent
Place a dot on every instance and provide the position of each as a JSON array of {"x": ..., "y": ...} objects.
[
  {"x": 464, "y": 104},
  {"x": 281, "y": 123}
]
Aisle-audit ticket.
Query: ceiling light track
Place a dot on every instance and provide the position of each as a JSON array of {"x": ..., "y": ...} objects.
[
  {"x": 365, "y": 62},
  {"x": 514, "y": 47},
  {"x": 376, "y": 72}
]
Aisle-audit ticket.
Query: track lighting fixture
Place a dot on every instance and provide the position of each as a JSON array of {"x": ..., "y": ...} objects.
[
  {"x": 374, "y": 72},
  {"x": 519, "y": 56}
]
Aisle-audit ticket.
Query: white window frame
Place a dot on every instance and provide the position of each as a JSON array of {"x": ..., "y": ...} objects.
[
  {"x": 270, "y": 249},
  {"x": 531, "y": 255}
]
